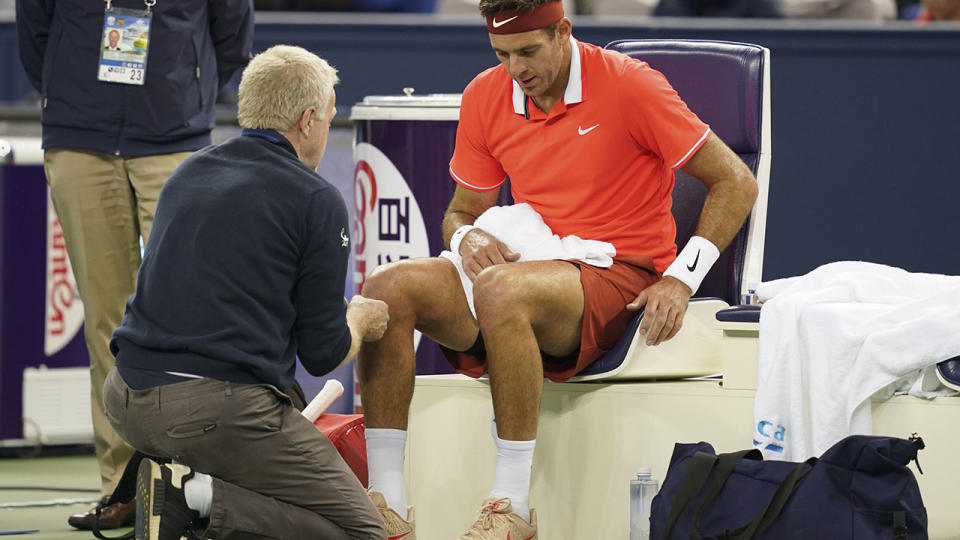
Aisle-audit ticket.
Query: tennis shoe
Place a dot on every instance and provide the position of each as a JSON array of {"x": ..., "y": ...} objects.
[
  {"x": 498, "y": 521},
  {"x": 397, "y": 527}
]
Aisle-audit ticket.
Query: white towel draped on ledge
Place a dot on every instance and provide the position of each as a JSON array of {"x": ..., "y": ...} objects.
[
  {"x": 522, "y": 229},
  {"x": 834, "y": 338}
]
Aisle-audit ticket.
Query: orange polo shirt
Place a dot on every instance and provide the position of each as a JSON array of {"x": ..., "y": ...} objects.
[{"x": 600, "y": 165}]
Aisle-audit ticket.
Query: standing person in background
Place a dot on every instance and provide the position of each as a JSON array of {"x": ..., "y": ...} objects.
[{"x": 112, "y": 135}]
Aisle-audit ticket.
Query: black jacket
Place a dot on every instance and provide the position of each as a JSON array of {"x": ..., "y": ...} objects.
[
  {"x": 245, "y": 268},
  {"x": 195, "y": 47}
]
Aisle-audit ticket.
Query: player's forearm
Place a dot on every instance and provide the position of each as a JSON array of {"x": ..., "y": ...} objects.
[
  {"x": 726, "y": 207},
  {"x": 733, "y": 190}
]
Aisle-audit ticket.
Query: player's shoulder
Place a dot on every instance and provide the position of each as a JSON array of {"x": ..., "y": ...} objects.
[
  {"x": 614, "y": 62},
  {"x": 490, "y": 83}
]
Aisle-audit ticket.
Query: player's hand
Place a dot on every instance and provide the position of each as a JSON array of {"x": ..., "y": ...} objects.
[
  {"x": 480, "y": 249},
  {"x": 370, "y": 317},
  {"x": 666, "y": 301}
]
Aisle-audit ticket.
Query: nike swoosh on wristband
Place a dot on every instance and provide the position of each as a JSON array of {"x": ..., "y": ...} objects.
[
  {"x": 508, "y": 536},
  {"x": 692, "y": 267},
  {"x": 498, "y": 24},
  {"x": 582, "y": 131},
  {"x": 399, "y": 536}
]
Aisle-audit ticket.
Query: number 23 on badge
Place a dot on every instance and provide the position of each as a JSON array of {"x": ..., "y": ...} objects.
[{"x": 126, "y": 38}]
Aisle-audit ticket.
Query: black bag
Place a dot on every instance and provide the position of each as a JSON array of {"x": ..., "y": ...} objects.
[{"x": 860, "y": 488}]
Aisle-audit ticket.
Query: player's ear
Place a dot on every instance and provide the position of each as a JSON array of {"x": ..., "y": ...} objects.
[{"x": 564, "y": 29}]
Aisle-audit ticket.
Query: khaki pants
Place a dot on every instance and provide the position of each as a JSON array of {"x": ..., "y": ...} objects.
[
  {"x": 274, "y": 474},
  {"x": 105, "y": 203}
]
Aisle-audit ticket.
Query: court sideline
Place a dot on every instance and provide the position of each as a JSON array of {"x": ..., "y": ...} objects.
[{"x": 72, "y": 484}]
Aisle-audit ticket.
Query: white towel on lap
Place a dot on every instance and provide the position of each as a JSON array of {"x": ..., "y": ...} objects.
[
  {"x": 522, "y": 229},
  {"x": 834, "y": 338}
]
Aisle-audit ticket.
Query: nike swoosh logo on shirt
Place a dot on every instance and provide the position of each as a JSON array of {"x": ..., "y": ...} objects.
[
  {"x": 692, "y": 267},
  {"x": 582, "y": 131},
  {"x": 498, "y": 24}
]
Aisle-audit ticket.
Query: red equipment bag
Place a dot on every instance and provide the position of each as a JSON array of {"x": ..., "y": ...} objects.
[{"x": 346, "y": 431}]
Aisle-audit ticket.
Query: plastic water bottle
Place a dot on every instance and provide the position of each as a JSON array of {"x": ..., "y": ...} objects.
[{"x": 642, "y": 490}]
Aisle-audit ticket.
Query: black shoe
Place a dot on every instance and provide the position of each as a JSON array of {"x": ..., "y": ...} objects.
[
  {"x": 162, "y": 511},
  {"x": 949, "y": 373},
  {"x": 112, "y": 516}
]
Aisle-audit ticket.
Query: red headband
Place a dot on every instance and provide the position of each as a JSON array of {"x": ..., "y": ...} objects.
[{"x": 515, "y": 21}]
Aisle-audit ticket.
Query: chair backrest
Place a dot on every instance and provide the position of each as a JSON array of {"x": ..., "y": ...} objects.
[{"x": 727, "y": 85}]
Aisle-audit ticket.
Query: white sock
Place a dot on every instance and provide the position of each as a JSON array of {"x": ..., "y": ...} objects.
[
  {"x": 385, "y": 449},
  {"x": 512, "y": 477},
  {"x": 198, "y": 491}
]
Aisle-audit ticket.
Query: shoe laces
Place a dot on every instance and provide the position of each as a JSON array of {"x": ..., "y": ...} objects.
[{"x": 487, "y": 512}]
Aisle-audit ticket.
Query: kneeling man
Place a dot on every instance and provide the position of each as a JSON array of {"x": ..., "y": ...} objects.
[{"x": 244, "y": 272}]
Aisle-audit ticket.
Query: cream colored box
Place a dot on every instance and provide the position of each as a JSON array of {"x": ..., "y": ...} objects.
[{"x": 738, "y": 352}]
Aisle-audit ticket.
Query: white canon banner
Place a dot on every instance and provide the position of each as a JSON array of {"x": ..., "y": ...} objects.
[{"x": 64, "y": 310}]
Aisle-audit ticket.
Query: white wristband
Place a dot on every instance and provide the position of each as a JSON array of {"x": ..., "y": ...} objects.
[
  {"x": 693, "y": 263},
  {"x": 457, "y": 237}
]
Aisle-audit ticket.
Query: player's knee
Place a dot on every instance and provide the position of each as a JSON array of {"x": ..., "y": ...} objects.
[
  {"x": 401, "y": 283},
  {"x": 496, "y": 294},
  {"x": 385, "y": 283}
]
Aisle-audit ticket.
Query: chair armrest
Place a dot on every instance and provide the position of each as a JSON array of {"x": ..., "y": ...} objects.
[
  {"x": 749, "y": 313},
  {"x": 948, "y": 372},
  {"x": 691, "y": 353}
]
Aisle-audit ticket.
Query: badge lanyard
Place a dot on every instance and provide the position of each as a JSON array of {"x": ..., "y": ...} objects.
[{"x": 125, "y": 39}]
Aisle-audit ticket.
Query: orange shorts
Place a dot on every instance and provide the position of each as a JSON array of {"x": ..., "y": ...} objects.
[{"x": 606, "y": 293}]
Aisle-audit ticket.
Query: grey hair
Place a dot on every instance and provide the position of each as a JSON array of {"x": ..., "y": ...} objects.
[{"x": 280, "y": 83}]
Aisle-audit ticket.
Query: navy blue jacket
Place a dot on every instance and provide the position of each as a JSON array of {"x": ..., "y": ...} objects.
[
  {"x": 195, "y": 47},
  {"x": 244, "y": 270}
]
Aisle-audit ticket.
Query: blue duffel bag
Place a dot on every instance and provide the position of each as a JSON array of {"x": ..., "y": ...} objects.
[{"x": 860, "y": 488}]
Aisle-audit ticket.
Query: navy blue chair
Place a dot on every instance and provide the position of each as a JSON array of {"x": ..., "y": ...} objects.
[{"x": 728, "y": 86}]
